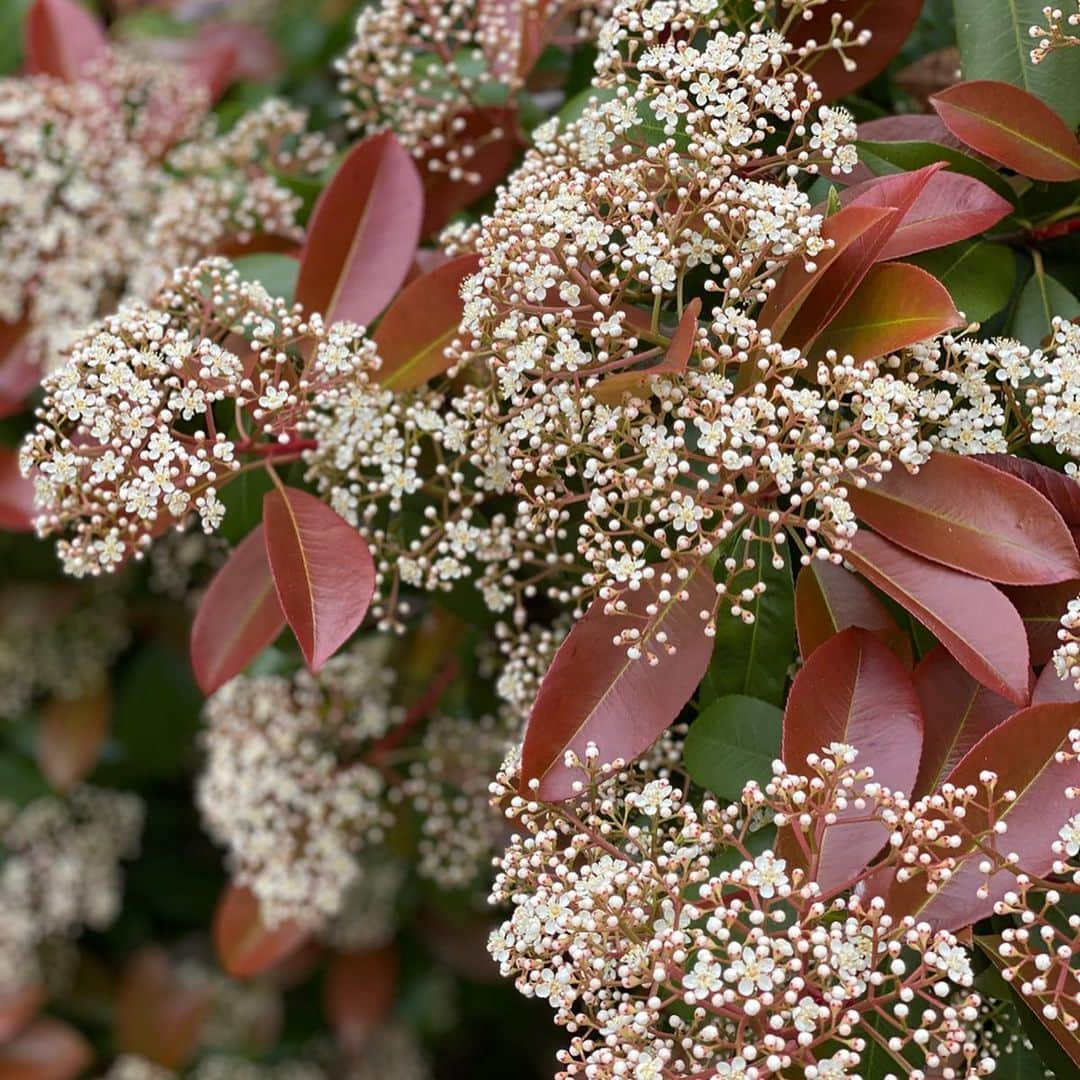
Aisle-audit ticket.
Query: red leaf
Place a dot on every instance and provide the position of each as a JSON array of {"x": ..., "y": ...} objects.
[
  {"x": 593, "y": 692},
  {"x": 1061, "y": 490},
  {"x": 894, "y": 306},
  {"x": 1050, "y": 689},
  {"x": 1011, "y": 126},
  {"x": 957, "y": 712},
  {"x": 967, "y": 515},
  {"x": 322, "y": 569},
  {"x": 47, "y": 1050},
  {"x": 511, "y": 21},
  {"x": 245, "y": 945},
  {"x": 359, "y": 994},
  {"x": 1041, "y": 608},
  {"x": 909, "y": 127},
  {"x": 970, "y": 617},
  {"x": 492, "y": 131},
  {"x": 16, "y": 495},
  {"x": 852, "y": 690},
  {"x": 420, "y": 323},
  {"x": 1021, "y": 751},
  {"x": 19, "y": 375},
  {"x": 951, "y": 207},
  {"x": 889, "y": 21},
  {"x": 363, "y": 234},
  {"x": 238, "y": 616},
  {"x": 255, "y": 55},
  {"x": 159, "y": 1016},
  {"x": 62, "y": 37},
  {"x": 71, "y": 735},
  {"x": 829, "y": 599},
  {"x": 18, "y": 1007}
]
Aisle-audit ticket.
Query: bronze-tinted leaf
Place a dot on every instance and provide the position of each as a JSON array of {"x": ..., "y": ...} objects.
[
  {"x": 359, "y": 995},
  {"x": 62, "y": 37},
  {"x": 16, "y": 495},
  {"x": 48, "y": 1049},
  {"x": 245, "y": 945},
  {"x": 70, "y": 737}
]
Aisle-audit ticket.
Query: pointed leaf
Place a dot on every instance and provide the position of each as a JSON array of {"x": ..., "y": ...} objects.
[
  {"x": 1051, "y": 688},
  {"x": 979, "y": 275},
  {"x": 245, "y": 945},
  {"x": 1041, "y": 299},
  {"x": 852, "y": 690},
  {"x": 967, "y": 515},
  {"x": 71, "y": 735},
  {"x": 951, "y": 207},
  {"x": 889, "y": 23},
  {"x": 1011, "y": 126},
  {"x": 594, "y": 692},
  {"x": 322, "y": 569},
  {"x": 359, "y": 995},
  {"x": 1021, "y": 751},
  {"x": 239, "y": 615},
  {"x": 733, "y": 740},
  {"x": 1063, "y": 491},
  {"x": 829, "y": 599},
  {"x": 16, "y": 495},
  {"x": 970, "y": 617},
  {"x": 957, "y": 712},
  {"x": 363, "y": 233},
  {"x": 420, "y": 323},
  {"x": 895, "y": 305},
  {"x": 1041, "y": 608},
  {"x": 62, "y": 38},
  {"x": 48, "y": 1049}
]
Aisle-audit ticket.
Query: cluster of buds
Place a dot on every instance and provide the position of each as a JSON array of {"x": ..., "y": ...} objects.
[
  {"x": 164, "y": 402},
  {"x": 671, "y": 940},
  {"x": 1060, "y": 31},
  {"x": 59, "y": 872},
  {"x": 110, "y": 181}
]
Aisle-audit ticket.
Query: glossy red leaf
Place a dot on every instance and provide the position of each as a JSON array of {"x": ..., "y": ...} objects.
[
  {"x": 851, "y": 690},
  {"x": 70, "y": 737},
  {"x": 593, "y": 692},
  {"x": 829, "y": 599},
  {"x": 1051, "y": 689},
  {"x": 238, "y": 616},
  {"x": 48, "y": 1049},
  {"x": 1011, "y": 126},
  {"x": 970, "y": 617},
  {"x": 245, "y": 945},
  {"x": 18, "y": 1007},
  {"x": 1063, "y": 491},
  {"x": 957, "y": 713},
  {"x": 950, "y": 208},
  {"x": 964, "y": 514},
  {"x": 1021, "y": 751},
  {"x": 19, "y": 375},
  {"x": 159, "y": 1016},
  {"x": 16, "y": 494},
  {"x": 322, "y": 570},
  {"x": 62, "y": 38},
  {"x": 894, "y": 306},
  {"x": 359, "y": 995},
  {"x": 1041, "y": 608},
  {"x": 420, "y": 323},
  {"x": 363, "y": 233},
  {"x": 889, "y": 21}
]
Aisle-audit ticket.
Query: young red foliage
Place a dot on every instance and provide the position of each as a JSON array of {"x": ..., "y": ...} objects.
[
  {"x": 594, "y": 692},
  {"x": 964, "y": 514},
  {"x": 1050, "y": 688},
  {"x": 1011, "y": 126},
  {"x": 245, "y": 945},
  {"x": 48, "y": 1049},
  {"x": 62, "y": 38},
  {"x": 852, "y": 690},
  {"x": 970, "y": 617},
  {"x": 71, "y": 735},
  {"x": 1061, "y": 490},
  {"x": 18, "y": 1007},
  {"x": 16, "y": 494},
  {"x": 238, "y": 616},
  {"x": 363, "y": 233},
  {"x": 420, "y": 323},
  {"x": 359, "y": 995},
  {"x": 1041, "y": 607},
  {"x": 322, "y": 570}
]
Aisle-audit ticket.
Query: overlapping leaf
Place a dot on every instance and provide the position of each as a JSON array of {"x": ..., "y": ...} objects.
[
  {"x": 245, "y": 945},
  {"x": 62, "y": 38}
]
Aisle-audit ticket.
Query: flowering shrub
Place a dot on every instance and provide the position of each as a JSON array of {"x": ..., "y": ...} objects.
[{"x": 633, "y": 445}]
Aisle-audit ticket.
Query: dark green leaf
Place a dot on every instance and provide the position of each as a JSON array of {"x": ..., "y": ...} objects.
[
  {"x": 734, "y": 740},
  {"x": 978, "y": 274},
  {"x": 275, "y": 273},
  {"x": 1041, "y": 299},
  {"x": 885, "y": 158}
]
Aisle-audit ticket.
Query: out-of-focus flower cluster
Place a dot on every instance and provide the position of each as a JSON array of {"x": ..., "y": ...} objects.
[
  {"x": 128, "y": 443},
  {"x": 59, "y": 872},
  {"x": 1059, "y": 32},
  {"x": 671, "y": 941},
  {"x": 109, "y": 182}
]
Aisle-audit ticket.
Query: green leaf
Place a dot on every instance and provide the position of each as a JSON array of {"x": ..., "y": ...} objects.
[
  {"x": 734, "y": 740},
  {"x": 243, "y": 500},
  {"x": 886, "y": 158},
  {"x": 995, "y": 44},
  {"x": 275, "y": 273},
  {"x": 753, "y": 659},
  {"x": 12, "y": 13},
  {"x": 978, "y": 274},
  {"x": 1041, "y": 299}
]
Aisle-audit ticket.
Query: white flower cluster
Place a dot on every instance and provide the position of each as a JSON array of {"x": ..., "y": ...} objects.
[
  {"x": 1056, "y": 33},
  {"x": 286, "y": 788},
  {"x": 59, "y": 871},
  {"x": 97, "y": 203},
  {"x": 127, "y": 443}
]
